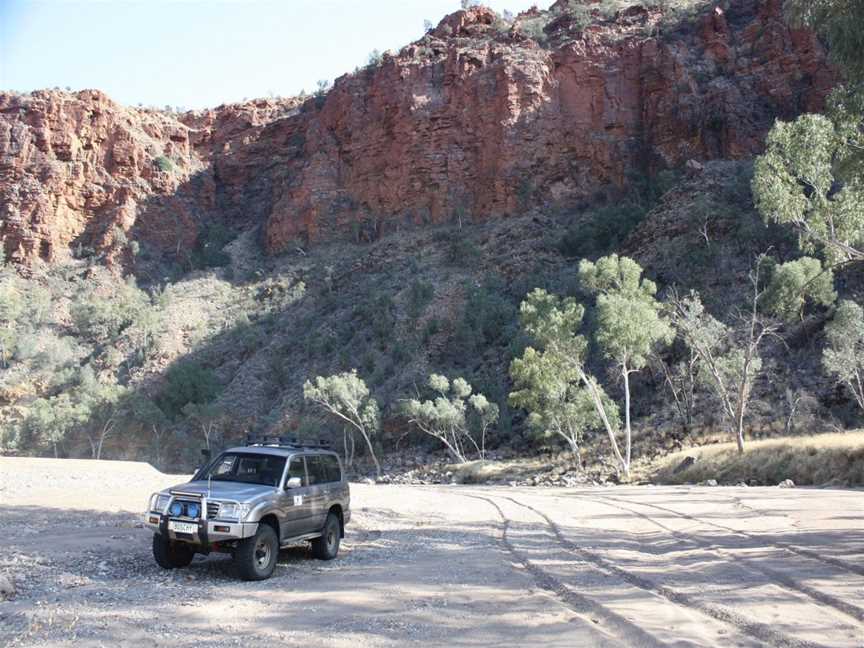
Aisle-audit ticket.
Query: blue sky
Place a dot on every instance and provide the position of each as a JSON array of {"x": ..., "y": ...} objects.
[{"x": 196, "y": 54}]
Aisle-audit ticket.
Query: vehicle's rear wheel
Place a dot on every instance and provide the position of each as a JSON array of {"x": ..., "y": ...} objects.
[
  {"x": 171, "y": 555},
  {"x": 327, "y": 546},
  {"x": 255, "y": 557}
]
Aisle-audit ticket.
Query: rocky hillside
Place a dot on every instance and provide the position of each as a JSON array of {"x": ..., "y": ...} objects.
[
  {"x": 482, "y": 117},
  {"x": 392, "y": 224}
]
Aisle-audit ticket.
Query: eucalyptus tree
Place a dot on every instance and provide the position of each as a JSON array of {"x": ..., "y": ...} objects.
[
  {"x": 812, "y": 173},
  {"x": 843, "y": 356},
  {"x": 346, "y": 397},
  {"x": 550, "y": 388},
  {"x": 50, "y": 420},
  {"x": 729, "y": 355},
  {"x": 841, "y": 23},
  {"x": 553, "y": 323},
  {"x": 630, "y": 321},
  {"x": 802, "y": 180},
  {"x": 103, "y": 401},
  {"x": 795, "y": 284},
  {"x": 445, "y": 417}
]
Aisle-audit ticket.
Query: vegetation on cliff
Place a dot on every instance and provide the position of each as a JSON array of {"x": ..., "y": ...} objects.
[{"x": 714, "y": 295}]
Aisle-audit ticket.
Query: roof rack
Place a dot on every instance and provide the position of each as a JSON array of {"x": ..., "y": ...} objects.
[{"x": 286, "y": 442}]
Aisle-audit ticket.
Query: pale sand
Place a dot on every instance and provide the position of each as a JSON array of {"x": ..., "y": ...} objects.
[{"x": 444, "y": 566}]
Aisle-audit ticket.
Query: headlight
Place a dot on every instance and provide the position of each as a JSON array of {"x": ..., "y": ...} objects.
[
  {"x": 158, "y": 502},
  {"x": 232, "y": 510}
]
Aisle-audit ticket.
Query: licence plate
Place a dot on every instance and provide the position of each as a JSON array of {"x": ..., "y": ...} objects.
[{"x": 182, "y": 527}]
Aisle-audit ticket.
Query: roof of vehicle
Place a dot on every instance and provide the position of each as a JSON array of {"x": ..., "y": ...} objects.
[{"x": 279, "y": 451}]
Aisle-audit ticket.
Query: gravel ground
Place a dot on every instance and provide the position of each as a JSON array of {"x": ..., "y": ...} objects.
[{"x": 442, "y": 565}]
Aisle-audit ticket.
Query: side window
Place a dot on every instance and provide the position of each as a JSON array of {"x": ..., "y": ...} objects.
[
  {"x": 296, "y": 469},
  {"x": 317, "y": 469},
  {"x": 331, "y": 464}
]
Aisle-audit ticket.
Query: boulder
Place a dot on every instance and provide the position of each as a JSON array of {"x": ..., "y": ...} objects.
[
  {"x": 684, "y": 465},
  {"x": 7, "y": 587}
]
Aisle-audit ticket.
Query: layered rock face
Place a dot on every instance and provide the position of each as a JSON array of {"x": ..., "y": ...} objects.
[
  {"x": 475, "y": 120},
  {"x": 73, "y": 163},
  {"x": 80, "y": 172}
]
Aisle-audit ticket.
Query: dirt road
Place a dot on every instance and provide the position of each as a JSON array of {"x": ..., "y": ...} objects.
[{"x": 443, "y": 566}]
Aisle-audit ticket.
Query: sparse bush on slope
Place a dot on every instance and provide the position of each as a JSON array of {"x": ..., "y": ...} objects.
[{"x": 249, "y": 346}]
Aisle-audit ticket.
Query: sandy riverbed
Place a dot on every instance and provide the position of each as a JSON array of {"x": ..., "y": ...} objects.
[{"x": 454, "y": 566}]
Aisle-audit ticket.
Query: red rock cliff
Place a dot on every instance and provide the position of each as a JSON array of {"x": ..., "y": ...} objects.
[{"x": 475, "y": 120}]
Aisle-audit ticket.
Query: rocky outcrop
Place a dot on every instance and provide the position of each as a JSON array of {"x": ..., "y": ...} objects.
[
  {"x": 475, "y": 120},
  {"x": 80, "y": 172},
  {"x": 73, "y": 163}
]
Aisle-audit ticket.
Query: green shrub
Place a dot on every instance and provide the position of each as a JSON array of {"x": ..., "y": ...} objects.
[
  {"x": 165, "y": 164},
  {"x": 247, "y": 337},
  {"x": 187, "y": 382},
  {"x": 462, "y": 252},
  {"x": 378, "y": 314},
  {"x": 534, "y": 29},
  {"x": 12, "y": 301},
  {"x": 605, "y": 229},
  {"x": 374, "y": 59},
  {"x": 432, "y": 327},
  {"x": 420, "y": 294},
  {"x": 489, "y": 318},
  {"x": 209, "y": 247},
  {"x": 581, "y": 15},
  {"x": 102, "y": 318}
]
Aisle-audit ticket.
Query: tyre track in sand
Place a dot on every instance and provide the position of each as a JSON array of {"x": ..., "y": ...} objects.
[
  {"x": 807, "y": 553},
  {"x": 752, "y": 629},
  {"x": 625, "y": 632},
  {"x": 777, "y": 577}
]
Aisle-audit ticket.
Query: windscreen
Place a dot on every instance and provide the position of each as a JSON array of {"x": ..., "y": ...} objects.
[{"x": 246, "y": 468}]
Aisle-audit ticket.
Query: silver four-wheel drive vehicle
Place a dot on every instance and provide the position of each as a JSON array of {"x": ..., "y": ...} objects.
[{"x": 250, "y": 501}]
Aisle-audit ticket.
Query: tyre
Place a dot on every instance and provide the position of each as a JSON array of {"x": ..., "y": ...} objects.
[
  {"x": 256, "y": 557},
  {"x": 327, "y": 546},
  {"x": 171, "y": 555}
]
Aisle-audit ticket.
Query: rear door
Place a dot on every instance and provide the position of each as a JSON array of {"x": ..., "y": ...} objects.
[
  {"x": 337, "y": 489},
  {"x": 297, "y": 502},
  {"x": 318, "y": 488}
]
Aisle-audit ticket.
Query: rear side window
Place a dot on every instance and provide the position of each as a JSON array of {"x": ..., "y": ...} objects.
[
  {"x": 317, "y": 470},
  {"x": 331, "y": 468}
]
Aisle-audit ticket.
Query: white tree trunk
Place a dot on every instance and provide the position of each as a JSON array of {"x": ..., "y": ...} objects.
[
  {"x": 601, "y": 411},
  {"x": 371, "y": 451},
  {"x": 106, "y": 432},
  {"x": 628, "y": 436}
]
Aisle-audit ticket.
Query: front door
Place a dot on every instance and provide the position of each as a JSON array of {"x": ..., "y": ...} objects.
[{"x": 297, "y": 502}]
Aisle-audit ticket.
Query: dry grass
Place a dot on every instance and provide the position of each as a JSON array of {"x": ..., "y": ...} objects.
[
  {"x": 482, "y": 472},
  {"x": 825, "y": 459}
]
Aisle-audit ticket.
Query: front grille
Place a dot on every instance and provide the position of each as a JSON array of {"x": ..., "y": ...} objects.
[{"x": 212, "y": 510}]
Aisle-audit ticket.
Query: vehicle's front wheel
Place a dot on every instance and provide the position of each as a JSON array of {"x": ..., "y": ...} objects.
[
  {"x": 171, "y": 555},
  {"x": 327, "y": 546},
  {"x": 255, "y": 557}
]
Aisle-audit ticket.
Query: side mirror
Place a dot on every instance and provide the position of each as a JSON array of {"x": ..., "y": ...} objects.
[{"x": 293, "y": 482}]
